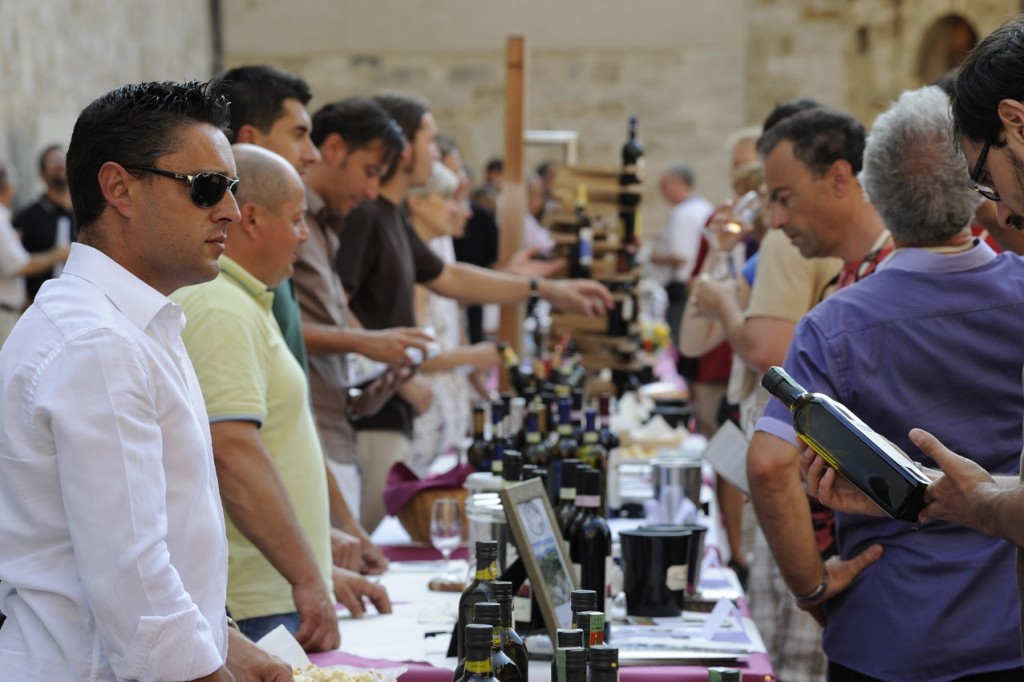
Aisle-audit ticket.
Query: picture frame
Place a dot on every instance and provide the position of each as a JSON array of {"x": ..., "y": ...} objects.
[{"x": 539, "y": 542}]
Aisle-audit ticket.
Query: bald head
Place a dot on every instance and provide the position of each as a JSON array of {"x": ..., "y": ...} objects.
[
  {"x": 272, "y": 201},
  {"x": 267, "y": 179}
]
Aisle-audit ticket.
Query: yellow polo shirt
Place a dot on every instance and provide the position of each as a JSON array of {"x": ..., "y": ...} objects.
[{"x": 247, "y": 373}]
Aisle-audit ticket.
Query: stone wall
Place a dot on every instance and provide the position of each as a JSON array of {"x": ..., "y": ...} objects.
[
  {"x": 59, "y": 55},
  {"x": 592, "y": 64},
  {"x": 693, "y": 71}
]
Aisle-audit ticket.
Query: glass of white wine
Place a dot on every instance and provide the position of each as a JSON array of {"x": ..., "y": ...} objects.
[{"x": 446, "y": 529}]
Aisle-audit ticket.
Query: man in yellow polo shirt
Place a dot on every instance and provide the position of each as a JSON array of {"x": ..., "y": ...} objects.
[{"x": 269, "y": 462}]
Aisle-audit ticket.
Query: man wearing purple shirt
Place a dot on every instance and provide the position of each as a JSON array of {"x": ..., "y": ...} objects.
[{"x": 930, "y": 340}]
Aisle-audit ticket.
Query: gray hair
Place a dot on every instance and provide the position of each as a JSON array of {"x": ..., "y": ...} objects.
[
  {"x": 442, "y": 180},
  {"x": 681, "y": 170},
  {"x": 914, "y": 174}
]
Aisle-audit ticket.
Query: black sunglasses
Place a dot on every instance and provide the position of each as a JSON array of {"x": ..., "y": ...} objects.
[
  {"x": 983, "y": 190},
  {"x": 208, "y": 188}
]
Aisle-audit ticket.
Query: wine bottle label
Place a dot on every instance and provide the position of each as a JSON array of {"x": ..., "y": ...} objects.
[
  {"x": 627, "y": 309},
  {"x": 567, "y": 494},
  {"x": 560, "y": 665},
  {"x": 675, "y": 577},
  {"x": 482, "y": 667},
  {"x": 592, "y": 501},
  {"x": 577, "y": 570},
  {"x": 523, "y": 609},
  {"x": 489, "y": 573},
  {"x": 596, "y": 634},
  {"x": 586, "y": 246}
]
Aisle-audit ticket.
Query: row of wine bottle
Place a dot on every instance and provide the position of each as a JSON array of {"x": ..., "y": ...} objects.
[{"x": 489, "y": 646}]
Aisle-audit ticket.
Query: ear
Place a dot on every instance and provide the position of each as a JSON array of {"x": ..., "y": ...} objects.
[
  {"x": 250, "y": 211},
  {"x": 334, "y": 150},
  {"x": 117, "y": 185},
  {"x": 1011, "y": 113},
  {"x": 840, "y": 177},
  {"x": 248, "y": 133},
  {"x": 414, "y": 202}
]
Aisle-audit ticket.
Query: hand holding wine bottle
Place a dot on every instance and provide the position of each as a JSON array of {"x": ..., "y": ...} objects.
[{"x": 961, "y": 491}]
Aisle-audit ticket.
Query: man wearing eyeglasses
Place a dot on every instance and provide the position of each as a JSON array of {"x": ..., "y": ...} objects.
[
  {"x": 112, "y": 542},
  {"x": 930, "y": 340}
]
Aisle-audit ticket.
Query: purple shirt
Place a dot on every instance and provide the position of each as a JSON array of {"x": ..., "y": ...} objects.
[{"x": 930, "y": 341}]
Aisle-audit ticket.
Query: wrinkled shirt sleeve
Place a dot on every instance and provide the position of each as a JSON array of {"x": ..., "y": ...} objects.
[{"x": 110, "y": 459}]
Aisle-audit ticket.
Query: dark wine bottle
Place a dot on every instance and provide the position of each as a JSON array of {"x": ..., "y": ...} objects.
[
  {"x": 511, "y": 643},
  {"x": 592, "y": 624},
  {"x": 477, "y": 453},
  {"x": 593, "y": 454},
  {"x": 566, "y": 446},
  {"x": 536, "y": 452},
  {"x": 604, "y": 663},
  {"x": 575, "y": 665},
  {"x": 476, "y": 591},
  {"x": 606, "y": 435},
  {"x": 631, "y": 181},
  {"x": 478, "y": 654},
  {"x": 590, "y": 545},
  {"x": 512, "y": 469},
  {"x": 496, "y": 446},
  {"x": 566, "y": 508},
  {"x": 582, "y": 251},
  {"x": 878, "y": 468},
  {"x": 503, "y": 667},
  {"x": 580, "y": 601},
  {"x": 564, "y": 641}
]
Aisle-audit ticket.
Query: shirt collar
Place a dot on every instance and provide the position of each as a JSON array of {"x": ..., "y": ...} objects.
[
  {"x": 923, "y": 260},
  {"x": 246, "y": 282},
  {"x": 137, "y": 301}
]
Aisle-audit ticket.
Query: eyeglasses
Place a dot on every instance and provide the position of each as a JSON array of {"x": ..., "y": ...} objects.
[
  {"x": 983, "y": 190},
  {"x": 208, "y": 188}
]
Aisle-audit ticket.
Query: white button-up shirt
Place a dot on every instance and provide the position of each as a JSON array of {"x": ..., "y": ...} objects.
[
  {"x": 112, "y": 546},
  {"x": 13, "y": 257}
]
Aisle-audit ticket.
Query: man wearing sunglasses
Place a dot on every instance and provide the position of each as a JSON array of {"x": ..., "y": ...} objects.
[{"x": 112, "y": 541}]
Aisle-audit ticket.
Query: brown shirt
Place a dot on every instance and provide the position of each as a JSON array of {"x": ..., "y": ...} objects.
[
  {"x": 322, "y": 300},
  {"x": 379, "y": 261}
]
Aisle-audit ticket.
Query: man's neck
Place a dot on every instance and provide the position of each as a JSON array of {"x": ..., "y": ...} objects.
[
  {"x": 865, "y": 228},
  {"x": 395, "y": 189},
  {"x": 60, "y": 197}
]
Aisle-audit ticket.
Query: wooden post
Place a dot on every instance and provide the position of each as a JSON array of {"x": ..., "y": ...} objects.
[{"x": 513, "y": 209}]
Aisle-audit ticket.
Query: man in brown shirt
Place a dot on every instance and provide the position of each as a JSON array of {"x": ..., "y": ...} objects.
[{"x": 358, "y": 142}]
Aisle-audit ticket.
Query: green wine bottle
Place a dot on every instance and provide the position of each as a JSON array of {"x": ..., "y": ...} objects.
[{"x": 878, "y": 468}]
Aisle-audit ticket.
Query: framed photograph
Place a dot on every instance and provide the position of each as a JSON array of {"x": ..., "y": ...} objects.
[{"x": 540, "y": 545}]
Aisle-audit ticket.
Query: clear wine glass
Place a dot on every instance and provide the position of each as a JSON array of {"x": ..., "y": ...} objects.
[{"x": 446, "y": 529}]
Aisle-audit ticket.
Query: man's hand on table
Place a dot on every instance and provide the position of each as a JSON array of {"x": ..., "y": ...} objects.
[
  {"x": 346, "y": 550},
  {"x": 249, "y": 663},
  {"x": 350, "y": 588},
  {"x": 319, "y": 622},
  {"x": 373, "y": 560}
]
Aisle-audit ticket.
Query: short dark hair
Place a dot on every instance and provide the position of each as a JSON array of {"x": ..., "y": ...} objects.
[
  {"x": 820, "y": 137},
  {"x": 257, "y": 95},
  {"x": 407, "y": 111},
  {"x": 787, "y": 109},
  {"x": 990, "y": 74},
  {"x": 360, "y": 122},
  {"x": 47, "y": 150},
  {"x": 495, "y": 165},
  {"x": 133, "y": 125}
]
